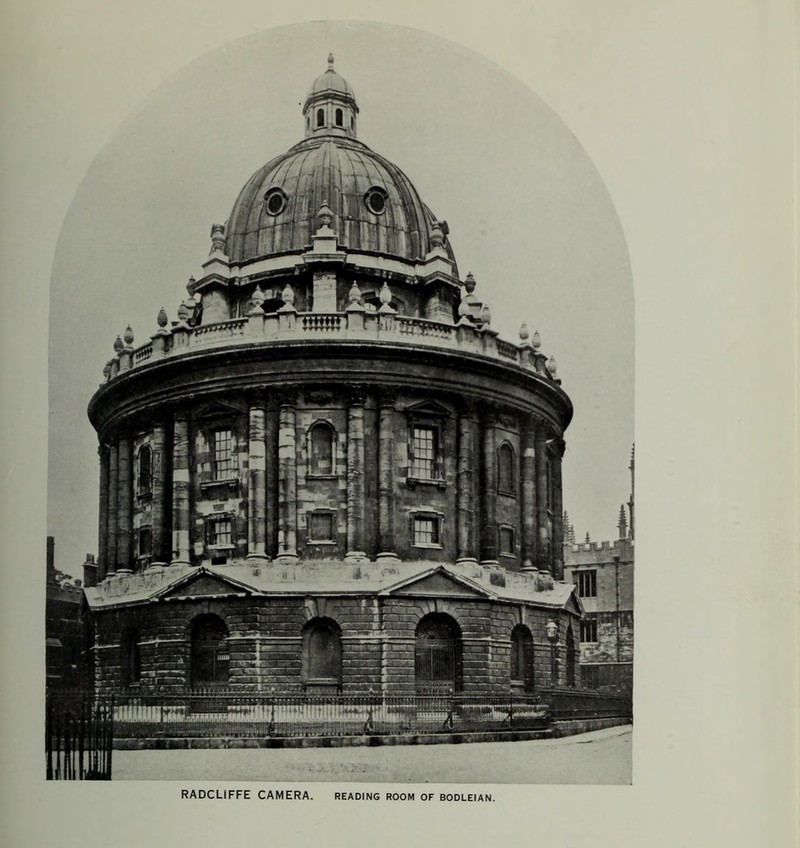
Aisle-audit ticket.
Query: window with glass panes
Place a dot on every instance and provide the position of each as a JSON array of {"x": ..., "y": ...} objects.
[
  {"x": 424, "y": 447},
  {"x": 219, "y": 532},
  {"x": 426, "y": 530},
  {"x": 587, "y": 584},
  {"x": 223, "y": 454},
  {"x": 589, "y": 630}
]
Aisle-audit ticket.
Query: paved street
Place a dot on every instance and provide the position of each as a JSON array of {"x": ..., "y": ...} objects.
[{"x": 603, "y": 756}]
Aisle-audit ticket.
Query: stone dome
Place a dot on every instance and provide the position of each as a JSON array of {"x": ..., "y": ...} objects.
[{"x": 375, "y": 207}]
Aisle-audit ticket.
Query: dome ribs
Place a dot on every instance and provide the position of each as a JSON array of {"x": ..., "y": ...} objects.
[{"x": 339, "y": 171}]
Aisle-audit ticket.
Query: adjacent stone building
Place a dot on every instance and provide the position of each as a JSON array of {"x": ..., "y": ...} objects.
[
  {"x": 329, "y": 473},
  {"x": 603, "y": 577}
]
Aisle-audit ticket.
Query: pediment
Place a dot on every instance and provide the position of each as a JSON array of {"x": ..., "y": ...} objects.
[
  {"x": 218, "y": 410},
  {"x": 204, "y": 584},
  {"x": 429, "y": 408},
  {"x": 438, "y": 584},
  {"x": 573, "y": 604}
]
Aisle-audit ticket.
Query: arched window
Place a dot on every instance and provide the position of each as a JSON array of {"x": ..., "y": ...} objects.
[
  {"x": 321, "y": 439},
  {"x": 339, "y": 118},
  {"x": 437, "y": 655},
  {"x": 320, "y": 117},
  {"x": 506, "y": 469},
  {"x": 144, "y": 467},
  {"x": 522, "y": 657},
  {"x": 322, "y": 654},
  {"x": 131, "y": 658},
  {"x": 210, "y": 654},
  {"x": 570, "y": 658}
]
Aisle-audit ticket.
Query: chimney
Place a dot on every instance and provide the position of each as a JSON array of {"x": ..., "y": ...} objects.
[{"x": 89, "y": 571}]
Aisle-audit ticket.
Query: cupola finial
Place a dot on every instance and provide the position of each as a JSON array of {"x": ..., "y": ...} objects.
[{"x": 330, "y": 61}]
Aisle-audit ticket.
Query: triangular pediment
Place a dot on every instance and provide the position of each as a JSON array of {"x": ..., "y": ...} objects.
[
  {"x": 438, "y": 584},
  {"x": 204, "y": 584},
  {"x": 218, "y": 410},
  {"x": 428, "y": 407},
  {"x": 573, "y": 604}
]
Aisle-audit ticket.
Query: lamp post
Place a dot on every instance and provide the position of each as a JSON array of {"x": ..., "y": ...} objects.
[{"x": 552, "y": 635}]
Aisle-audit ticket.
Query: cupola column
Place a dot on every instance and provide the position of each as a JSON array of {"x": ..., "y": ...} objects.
[
  {"x": 488, "y": 521},
  {"x": 158, "y": 483},
  {"x": 386, "y": 476},
  {"x": 529, "y": 517},
  {"x": 465, "y": 485},
  {"x": 256, "y": 484},
  {"x": 287, "y": 469},
  {"x": 180, "y": 491},
  {"x": 113, "y": 485},
  {"x": 124, "y": 504},
  {"x": 544, "y": 559},
  {"x": 102, "y": 525},
  {"x": 558, "y": 509},
  {"x": 355, "y": 476}
]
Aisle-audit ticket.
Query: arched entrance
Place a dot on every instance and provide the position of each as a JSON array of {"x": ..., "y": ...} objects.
[
  {"x": 437, "y": 655},
  {"x": 210, "y": 654}
]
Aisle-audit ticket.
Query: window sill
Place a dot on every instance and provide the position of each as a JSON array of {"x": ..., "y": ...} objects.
[
  {"x": 430, "y": 546},
  {"x": 505, "y": 494},
  {"x": 329, "y": 542},
  {"x": 144, "y": 497},
  {"x": 507, "y": 555},
  {"x": 322, "y": 476},
  {"x": 412, "y": 482},
  {"x": 230, "y": 482},
  {"x": 220, "y": 549}
]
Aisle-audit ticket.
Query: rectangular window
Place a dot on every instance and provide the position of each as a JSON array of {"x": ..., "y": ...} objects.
[
  {"x": 220, "y": 533},
  {"x": 589, "y": 630},
  {"x": 506, "y": 541},
  {"x": 223, "y": 455},
  {"x": 145, "y": 541},
  {"x": 424, "y": 449},
  {"x": 587, "y": 584},
  {"x": 320, "y": 527},
  {"x": 427, "y": 530}
]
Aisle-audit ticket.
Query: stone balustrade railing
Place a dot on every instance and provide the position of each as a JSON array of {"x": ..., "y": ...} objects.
[{"x": 354, "y": 324}]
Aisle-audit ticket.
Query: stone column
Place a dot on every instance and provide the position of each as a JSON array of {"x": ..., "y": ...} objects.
[
  {"x": 113, "y": 485},
  {"x": 124, "y": 506},
  {"x": 287, "y": 486},
  {"x": 465, "y": 486},
  {"x": 488, "y": 490},
  {"x": 181, "y": 510},
  {"x": 256, "y": 484},
  {"x": 158, "y": 482},
  {"x": 544, "y": 559},
  {"x": 529, "y": 517},
  {"x": 102, "y": 524},
  {"x": 558, "y": 509},
  {"x": 386, "y": 477},
  {"x": 355, "y": 477}
]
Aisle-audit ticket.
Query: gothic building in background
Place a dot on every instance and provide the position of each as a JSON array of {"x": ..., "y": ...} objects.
[
  {"x": 329, "y": 473},
  {"x": 603, "y": 576}
]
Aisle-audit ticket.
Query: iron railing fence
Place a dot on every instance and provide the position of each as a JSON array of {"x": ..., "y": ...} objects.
[
  {"x": 218, "y": 713},
  {"x": 79, "y": 736},
  {"x": 581, "y": 703}
]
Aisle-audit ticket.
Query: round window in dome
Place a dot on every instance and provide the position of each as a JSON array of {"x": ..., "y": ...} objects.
[
  {"x": 275, "y": 201},
  {"x": 375, "y": 199}
]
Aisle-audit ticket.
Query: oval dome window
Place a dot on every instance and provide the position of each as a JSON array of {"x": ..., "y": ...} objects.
[
  {"x": 375, "y": 199},
  {"x": 275, "y": 201}
]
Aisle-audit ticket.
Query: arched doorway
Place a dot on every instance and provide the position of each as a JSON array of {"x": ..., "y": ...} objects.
[
  {"x": 210, "y": 654},
  {"x": 322, "y": 656},
  {"x": 521, "y": 670},
  {"x": 437, "y": 655}
]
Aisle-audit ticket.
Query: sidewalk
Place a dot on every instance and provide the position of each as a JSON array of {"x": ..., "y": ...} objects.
[{"x": 600, "y": 757}]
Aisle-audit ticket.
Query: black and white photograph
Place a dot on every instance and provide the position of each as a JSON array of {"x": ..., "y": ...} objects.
[
  {"x": 338, "y": 343},
  {"x": 363, "y": 479}
]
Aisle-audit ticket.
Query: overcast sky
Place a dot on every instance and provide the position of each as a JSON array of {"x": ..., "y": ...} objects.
[{"x": 528, "y": 214}]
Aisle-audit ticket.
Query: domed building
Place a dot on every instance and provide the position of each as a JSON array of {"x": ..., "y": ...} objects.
[{"x": 328, "y": 474}]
